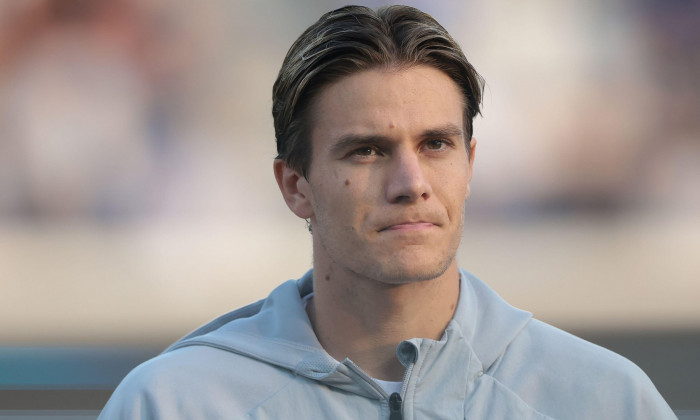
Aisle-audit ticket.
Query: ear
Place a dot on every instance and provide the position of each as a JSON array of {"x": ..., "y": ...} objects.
[
  {"x": 472, "y": 155},
  {"x": 295, "y": 189}
]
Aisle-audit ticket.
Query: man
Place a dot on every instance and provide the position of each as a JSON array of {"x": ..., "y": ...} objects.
[{"x": 373, "y": 117}]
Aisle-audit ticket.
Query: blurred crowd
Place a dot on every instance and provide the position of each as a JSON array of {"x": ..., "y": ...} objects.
[
  {"x": 122, "y": 110},
  {"x": 84, "y": 108}
]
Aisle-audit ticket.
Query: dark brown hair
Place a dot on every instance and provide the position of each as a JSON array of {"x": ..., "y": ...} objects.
[{"x": 353, "y": 39}]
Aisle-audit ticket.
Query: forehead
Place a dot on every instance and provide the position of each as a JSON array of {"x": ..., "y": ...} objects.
[{"x": 390, "y": 102}]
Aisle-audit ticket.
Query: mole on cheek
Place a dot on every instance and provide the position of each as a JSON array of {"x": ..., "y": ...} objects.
[
  {"x": 328, "y": 277},
  {"x": 347, "y": 182}
]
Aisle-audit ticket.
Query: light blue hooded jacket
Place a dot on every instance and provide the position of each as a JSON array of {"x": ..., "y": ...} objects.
[{"x": 263, "y": 361}]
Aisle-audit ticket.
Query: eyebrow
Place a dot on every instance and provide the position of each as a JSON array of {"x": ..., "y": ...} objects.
[
  {"x": 350, "y": 141},
  {"x": 449, "y": 130}
]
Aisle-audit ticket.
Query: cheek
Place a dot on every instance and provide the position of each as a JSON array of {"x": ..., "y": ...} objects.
[
  {"x": 460, "y": 181},
  {"x": 344, "y": 192},
  {"x": 334, "y": 197},
  {"x": 454, "y": 194},
  {"x": 350, "y": 201}
]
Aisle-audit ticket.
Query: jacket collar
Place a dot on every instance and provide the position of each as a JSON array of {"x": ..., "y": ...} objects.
[
  {"x": 487, "y": 322},
  {"x": 278, "y": 331}
]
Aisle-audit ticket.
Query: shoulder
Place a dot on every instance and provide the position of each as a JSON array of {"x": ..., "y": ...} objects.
[
  {"x": 567, "y": 377},
  {"x": 194, "y": 382},
  {"x": 542, "y": 343}
]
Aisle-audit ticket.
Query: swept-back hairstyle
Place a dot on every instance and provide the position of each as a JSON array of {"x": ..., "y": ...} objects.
[{"x": 353, "y": 39}]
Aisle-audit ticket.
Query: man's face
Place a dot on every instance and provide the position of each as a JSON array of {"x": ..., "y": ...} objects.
[{"x": 389, "y": 174}]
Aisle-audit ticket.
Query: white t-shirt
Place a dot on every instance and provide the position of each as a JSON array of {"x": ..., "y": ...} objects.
[{"x": 389, "y": 386}]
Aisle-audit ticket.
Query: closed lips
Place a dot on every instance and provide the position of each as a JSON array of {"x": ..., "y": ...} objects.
[{"x": 409, "y": 225}]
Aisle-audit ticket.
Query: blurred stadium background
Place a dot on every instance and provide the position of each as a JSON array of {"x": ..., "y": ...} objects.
[{"x": 137, "y": 199}]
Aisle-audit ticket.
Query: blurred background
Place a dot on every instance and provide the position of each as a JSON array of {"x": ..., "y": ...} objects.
[{"x": 137, "y": 200}]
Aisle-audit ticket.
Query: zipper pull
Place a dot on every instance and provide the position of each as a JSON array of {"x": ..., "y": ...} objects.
[{"x": 395, "y": 407}]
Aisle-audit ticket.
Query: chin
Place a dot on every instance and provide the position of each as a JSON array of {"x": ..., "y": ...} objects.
[{"x": 401, "y": 271}]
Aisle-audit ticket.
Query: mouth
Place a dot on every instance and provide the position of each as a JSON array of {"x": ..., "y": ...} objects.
[{"x": 409, "y": 226}]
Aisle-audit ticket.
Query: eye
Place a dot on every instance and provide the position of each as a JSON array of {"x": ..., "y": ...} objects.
[
  {"x": 436, "y": 144},
  {"x": 364, "y": 152}
]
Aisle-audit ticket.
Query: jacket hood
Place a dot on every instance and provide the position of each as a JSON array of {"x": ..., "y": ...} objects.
[
  {"x": 277, "y": 331},
  {"x": 487, "y": 322}
]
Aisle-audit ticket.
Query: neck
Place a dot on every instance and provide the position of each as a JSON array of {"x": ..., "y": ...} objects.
[{"x": 365, "y": 320}]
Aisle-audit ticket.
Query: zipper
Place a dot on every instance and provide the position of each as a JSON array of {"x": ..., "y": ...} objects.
[
  {"x": 406, "y": 374},
  {"x": 395, "y": 407},
  {"x": 395, "y": 401}
]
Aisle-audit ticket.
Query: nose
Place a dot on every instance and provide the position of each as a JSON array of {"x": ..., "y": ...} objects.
[{"x": 407, "y": 181}]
